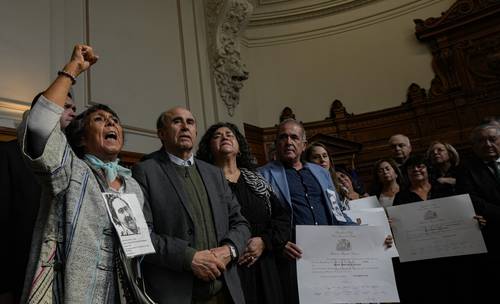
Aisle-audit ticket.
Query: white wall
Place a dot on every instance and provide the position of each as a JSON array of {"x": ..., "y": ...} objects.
[
  {"x": 25, "y": 60},
  {"x": 366, "y": 57},
  {"x": 152, "y": 57}
]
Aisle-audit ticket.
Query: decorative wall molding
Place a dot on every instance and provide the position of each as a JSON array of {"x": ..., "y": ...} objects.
[
  {"x": 265, "y": 2},
  {"x": 338, "y": 111},
  {"x": 308, "y": 10},
  {"x": 286, "y": 113},
  {"x": 226, "y": 20},
  {"x": 467, "y": 63},
  {"x": 277, "y": 33},
  {"x": 14, "y": 105},
  {"x": 11, "y": 111}
]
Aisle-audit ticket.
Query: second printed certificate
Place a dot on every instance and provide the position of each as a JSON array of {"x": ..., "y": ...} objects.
[
  {"x": 436, "y": 228},
  {"x": 344, "y": 264}
]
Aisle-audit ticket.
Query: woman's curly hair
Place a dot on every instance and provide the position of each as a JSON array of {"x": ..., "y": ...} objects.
[{"x": 244, "y": 159}]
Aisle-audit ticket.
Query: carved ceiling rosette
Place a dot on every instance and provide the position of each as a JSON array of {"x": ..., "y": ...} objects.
[{"x": 226, "y": 21}]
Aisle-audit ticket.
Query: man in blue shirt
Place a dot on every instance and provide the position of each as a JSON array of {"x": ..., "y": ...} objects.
[{"x": 308, "y": 191}]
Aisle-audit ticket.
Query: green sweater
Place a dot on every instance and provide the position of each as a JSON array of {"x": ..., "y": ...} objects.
[{"x": 205, "y": 236}]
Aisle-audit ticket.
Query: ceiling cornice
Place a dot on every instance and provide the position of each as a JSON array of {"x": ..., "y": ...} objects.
[
  {"x": 260, "y": 36},
  {"x": 280, "y": 12}
]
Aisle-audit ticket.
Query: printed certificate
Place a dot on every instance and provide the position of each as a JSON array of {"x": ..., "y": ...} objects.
[
  {"x": 344, "y": 264},
  {"x": 436, "y": 228},
  {"x": 364, "y": 203},
  {"x": 374, "y": 217}
]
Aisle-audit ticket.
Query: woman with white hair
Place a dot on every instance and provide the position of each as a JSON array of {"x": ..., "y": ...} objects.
[{"x": 444, "y": 160}]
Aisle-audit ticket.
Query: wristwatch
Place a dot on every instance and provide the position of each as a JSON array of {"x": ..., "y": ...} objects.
[{"x": 232, "y": 251}]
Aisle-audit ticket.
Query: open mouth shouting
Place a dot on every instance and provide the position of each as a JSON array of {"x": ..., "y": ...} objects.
[{"x": 111, "y": 136}]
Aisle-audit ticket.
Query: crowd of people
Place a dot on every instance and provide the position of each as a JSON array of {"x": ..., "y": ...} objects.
[{"x": 223, "y": 229}]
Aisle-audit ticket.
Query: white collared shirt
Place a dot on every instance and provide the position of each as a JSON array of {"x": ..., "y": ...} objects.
[{"x": 182, "y": 162}]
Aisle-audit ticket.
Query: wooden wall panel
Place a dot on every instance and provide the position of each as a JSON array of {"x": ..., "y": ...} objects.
[{"x": 7, "y": 134}]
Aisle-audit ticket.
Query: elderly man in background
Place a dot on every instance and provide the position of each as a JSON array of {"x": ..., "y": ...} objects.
[
  {"x": 195, "y": 221},
  {"x": 401, "y": 150},
  {"x": 480, "y": 178}
]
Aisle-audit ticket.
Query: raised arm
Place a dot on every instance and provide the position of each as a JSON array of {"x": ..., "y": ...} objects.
[
  {"x": 82, "y": 58},
  {"x": 46, "y": 113}
]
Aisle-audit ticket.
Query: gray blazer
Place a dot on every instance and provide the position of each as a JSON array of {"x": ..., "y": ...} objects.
[{"x": 173, "y": 228}]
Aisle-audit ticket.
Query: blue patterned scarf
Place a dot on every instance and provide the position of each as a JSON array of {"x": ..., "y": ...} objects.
[{"x": 111, "y": 169}]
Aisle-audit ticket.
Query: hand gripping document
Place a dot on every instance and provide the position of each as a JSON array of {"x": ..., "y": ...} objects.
[
  {"x": 344, "y": 264},
  {"x": 436, "y": 228}
]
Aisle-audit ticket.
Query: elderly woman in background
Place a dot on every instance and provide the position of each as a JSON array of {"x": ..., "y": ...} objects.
[
  {"x": 224, "y": 146},
  {"x": 444, "y": 162},
  {"x": 73, "y": 255},
  {"x": 386, "y": 181}
]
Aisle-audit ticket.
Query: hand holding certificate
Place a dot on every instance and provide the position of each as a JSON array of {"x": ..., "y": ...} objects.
[
  {"x": 344, "y": 264},
  {"x": 374, "y": 217},
  {"x": 436, "y": 228}
]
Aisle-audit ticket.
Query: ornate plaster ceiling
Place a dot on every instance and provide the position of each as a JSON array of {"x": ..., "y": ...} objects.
[
  {"x": 269, "y": 12},
  {"x": 285, "y": 21}
]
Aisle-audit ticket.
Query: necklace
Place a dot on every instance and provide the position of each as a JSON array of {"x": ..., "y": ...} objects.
[{"x": 233, "y": 177}]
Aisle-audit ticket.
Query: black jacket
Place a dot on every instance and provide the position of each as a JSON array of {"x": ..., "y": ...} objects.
[{"x": 476, "y": 179}]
